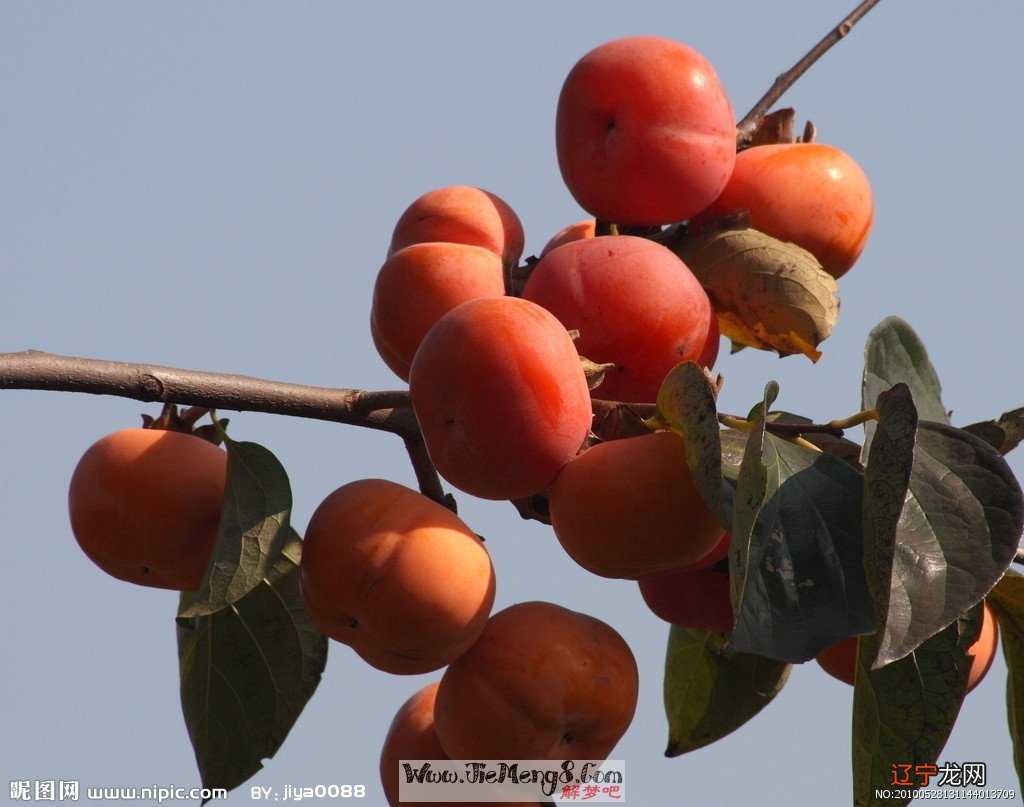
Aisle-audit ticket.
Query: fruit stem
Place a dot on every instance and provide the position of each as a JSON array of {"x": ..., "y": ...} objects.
[
  {"x": 855, "y": 420},
  {"x": 734, "y": 422},
  {"x": 800, "y": 441}
]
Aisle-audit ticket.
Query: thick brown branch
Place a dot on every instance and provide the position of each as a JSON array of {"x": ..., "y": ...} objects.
[
  {"x": 746, "y": 127},
  {"x": 388, "y": 411},
  {"x": 32, "y": 369}
]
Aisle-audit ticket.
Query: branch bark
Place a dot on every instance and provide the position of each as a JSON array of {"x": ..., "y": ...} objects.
[
  {"x": 746, "y": 127},
  {"x": 389, "y": 411}
]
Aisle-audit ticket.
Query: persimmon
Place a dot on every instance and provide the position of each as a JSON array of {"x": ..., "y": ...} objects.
[
  {"x": 697, "y": 598},
  {"x": 145, "y": 506},
  {"x": 420, "y": 283},
  {"x": 501, "y": 397},
  {"x": 574, "y": 232},
  {"x": 541, "y": 682},
  {"x": 396, "y": 576},
  {"x": 411, "y": 735},
  {"x": 840, "y": 660},
  {"x": 810, "y": 194},
  {"x": 629, "y": 508},
  {"x": 644, "y": 132},
  {"x": 464, "y": 215},
  {"x": 719, "y": 553},
  {"x": 635, "y": 304}
]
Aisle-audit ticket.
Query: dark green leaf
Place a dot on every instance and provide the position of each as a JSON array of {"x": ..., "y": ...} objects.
[
  {"x": 247, "y": 672},
  {"x": 686, "y": 404},
  {"x": 943, "y": 515},
  {"x": 796, "y": 560},
  {"x": 1004, "y": 434},
  {"x": 904, "y": 712},
  {"x": 894, "y": 354},
  {"x": 1007, "y": 602},
  {"x": 253, "y": 527},
  {"x": 708, "y": 693},
  {"x": 886, "y": 482},
  {"x": 734, "y": 443}
]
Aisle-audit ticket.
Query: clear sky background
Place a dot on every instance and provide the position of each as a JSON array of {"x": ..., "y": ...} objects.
[{"x": 213, "y": 186}]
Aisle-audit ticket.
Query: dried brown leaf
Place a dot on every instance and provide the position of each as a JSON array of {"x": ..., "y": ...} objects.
[{"x": 769, "y": 294}]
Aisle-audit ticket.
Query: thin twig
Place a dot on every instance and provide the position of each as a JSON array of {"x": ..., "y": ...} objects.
[{"x": 746, "y": 127}]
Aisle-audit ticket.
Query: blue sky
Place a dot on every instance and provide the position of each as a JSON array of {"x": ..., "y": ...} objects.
[{"x": 214, "y": 185}]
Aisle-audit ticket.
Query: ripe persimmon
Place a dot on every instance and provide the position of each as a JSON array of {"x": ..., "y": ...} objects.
[
  {"x": 419, "y": 284},
  {"x": 810, "y": 194},
  {"x": 501, "y": 397},
  {"x": 574, "y": 232},
  {"x": 541, "y": 682},
  {"x": 395, "y": 575},
  {"x": 463, "y": 215},
  {"x": 629, "y": 508},
  {"x": 145, "y": 506},
  {"x": 644, "y": 132},
  {"x": 411, "y": 735},
  {"x": 635, "y": 304},
  {"x": 840, "y": 660},
  {"x": 696, "y": 598}
]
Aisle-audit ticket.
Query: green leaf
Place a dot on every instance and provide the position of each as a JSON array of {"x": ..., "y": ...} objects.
[
  {"x": 734, "y": 443},
  {"x": 796, "y": 560},
  {"x": 1004, "y": 434},
  {"x": 247, "y": 671},
  {"x": 894, "y": 354},
  {"x": 903, "y": 713},
  {"x": 708, "y": 693},
  {"x": 943, "y": 517},
  {"x": 253, "y": 527},
  {"x": 1007, "y": 603},
  {"x": 686, "y": 405}
]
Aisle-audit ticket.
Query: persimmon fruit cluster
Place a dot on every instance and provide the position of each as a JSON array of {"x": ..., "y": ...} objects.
[{"x": 496, "y": 356}]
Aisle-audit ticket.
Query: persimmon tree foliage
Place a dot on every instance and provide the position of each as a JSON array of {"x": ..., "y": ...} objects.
[{"x": 554, "y": 383}]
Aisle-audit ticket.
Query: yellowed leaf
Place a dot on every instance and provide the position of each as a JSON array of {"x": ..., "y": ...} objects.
[{"x": 769, "y": 294}]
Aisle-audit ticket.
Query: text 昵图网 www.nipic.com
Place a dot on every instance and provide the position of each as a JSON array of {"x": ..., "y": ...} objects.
[{"x": 72, "y": 790}]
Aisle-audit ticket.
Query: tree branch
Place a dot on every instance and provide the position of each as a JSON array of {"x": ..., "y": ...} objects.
[
  {"x": 745, "y": 128},
  {"x": 32, "y": 369},
  {"x": 389, "y": 411}
]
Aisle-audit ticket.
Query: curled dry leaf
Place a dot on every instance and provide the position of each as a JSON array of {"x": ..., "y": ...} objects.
[
  {"x": 594, "y": 372},
  {"x": 769, "y": 294}
]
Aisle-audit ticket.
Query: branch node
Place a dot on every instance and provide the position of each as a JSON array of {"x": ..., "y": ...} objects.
[{"x": 151, "y": 388}]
